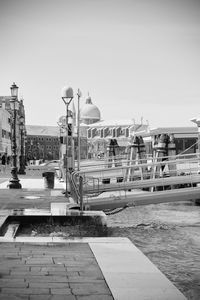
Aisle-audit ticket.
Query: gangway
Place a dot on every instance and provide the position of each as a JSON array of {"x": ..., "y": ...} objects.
[
  {"x": 127, "y": 199},
  {"x": 99, "y": 181}
]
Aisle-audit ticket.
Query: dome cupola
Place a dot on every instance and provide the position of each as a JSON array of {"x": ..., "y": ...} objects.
[{"x": 89, "y": 113}]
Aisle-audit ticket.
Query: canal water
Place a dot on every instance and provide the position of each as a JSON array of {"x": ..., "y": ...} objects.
[{"x": 169, "y": 235}]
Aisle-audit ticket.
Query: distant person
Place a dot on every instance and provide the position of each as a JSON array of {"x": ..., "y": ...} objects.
[
  {"x": 8, "y": 160},
  {"x": 3, "y": 162}
]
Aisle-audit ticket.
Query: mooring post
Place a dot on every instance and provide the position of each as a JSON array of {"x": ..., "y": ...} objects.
[{"x": 81, "y": 192}]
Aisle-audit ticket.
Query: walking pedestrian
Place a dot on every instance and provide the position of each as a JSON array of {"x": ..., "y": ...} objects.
[{"x": 3, "y": 163}]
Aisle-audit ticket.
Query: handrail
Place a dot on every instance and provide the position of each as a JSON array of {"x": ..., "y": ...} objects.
[
  {"x": 136, "y": 166},
  {"x": 146, "y": 183},
  {"x": 145, "y": 156},
  {"x": 178, "y": 157}
]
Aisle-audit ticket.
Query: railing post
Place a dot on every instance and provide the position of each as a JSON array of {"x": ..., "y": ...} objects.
[{"x": 81, "y": 192}]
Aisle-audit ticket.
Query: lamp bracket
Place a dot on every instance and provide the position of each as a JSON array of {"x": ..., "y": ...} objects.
[{"x": 65, "y": 101}]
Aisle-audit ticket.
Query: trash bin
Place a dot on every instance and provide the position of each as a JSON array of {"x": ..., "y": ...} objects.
[{"x": 48, "y": 180}]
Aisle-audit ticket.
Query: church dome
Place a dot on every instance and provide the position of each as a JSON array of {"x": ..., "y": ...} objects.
[{"x": 89, "y": 113}]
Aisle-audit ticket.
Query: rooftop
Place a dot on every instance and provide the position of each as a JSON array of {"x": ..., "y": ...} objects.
[
  {"x": 42, "y": 130},
  {"x": 192, "y": 129},
  {"x": 104, "y": 123}
]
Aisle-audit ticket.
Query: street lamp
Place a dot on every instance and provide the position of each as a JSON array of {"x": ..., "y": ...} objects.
[
  {"x": 25, "y": 148},
  {"x": 67, "y": 96},
  {"x": 14, "y": 105},
  {"x": 22, "y": 163},
  {"x": 78, "y": 131}
]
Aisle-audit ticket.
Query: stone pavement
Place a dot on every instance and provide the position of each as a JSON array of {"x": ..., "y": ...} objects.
[
  {"x": 35, "y": 183},
  {"x": 81, "y": 269},
  {"x": 32, "y": 195},
  {"x": 52, "y": 271}
]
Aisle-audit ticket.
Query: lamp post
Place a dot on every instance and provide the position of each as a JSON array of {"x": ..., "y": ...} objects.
[
  {"x": 22, "y": 163},
  {"x": 67, "y": 96},
  {"x": 78, "y": 131},
  {"x": 60, "y": 136},
  {"x": 14, "y": 181},
  {"x": 62, "y": 129},
  {"x": 25, "y": 148}
]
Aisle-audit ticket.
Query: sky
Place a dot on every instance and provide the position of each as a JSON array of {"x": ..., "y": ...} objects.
[{"x": 137, "y": 59}]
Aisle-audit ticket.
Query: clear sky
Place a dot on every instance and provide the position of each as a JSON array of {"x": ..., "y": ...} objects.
[{"x": 136, "y": 58}]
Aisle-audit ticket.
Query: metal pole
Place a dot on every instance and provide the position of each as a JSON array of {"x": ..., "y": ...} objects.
[
  {"x": 14, "y": 181},
  {"x": 198, "y": 145},
  {"x": 14, "y": 143},
  {"x": 66, "y": 158},
  {"x": 78, "y": 133},
  {"x": 22, "y": 163}
]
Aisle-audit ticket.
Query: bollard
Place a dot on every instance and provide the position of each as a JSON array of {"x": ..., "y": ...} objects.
[
  {"x": 81, "y": 192},
  {"x": 142, "y": 156},
  {"x": 172, "y": 154},
  {"x": 132, "y": 157},
  {"x": 48, "y": 179}
]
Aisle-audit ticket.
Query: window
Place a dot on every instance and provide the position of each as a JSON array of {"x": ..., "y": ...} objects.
[
  {"x": 109, "y": 131},
  {"x": 3, "y": 133},
  {"x": 89, "y": 133}
]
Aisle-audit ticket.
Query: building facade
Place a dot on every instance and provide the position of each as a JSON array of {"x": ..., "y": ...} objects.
[
  {"x": 42, "y": 142},
  {"x": 7, "y": 126},
  {"x": 100, "y": 134},
  {"x": 5, "y": 132}
]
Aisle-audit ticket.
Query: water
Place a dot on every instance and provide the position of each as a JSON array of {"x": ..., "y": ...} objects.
[{"x": 169, "y": 235}]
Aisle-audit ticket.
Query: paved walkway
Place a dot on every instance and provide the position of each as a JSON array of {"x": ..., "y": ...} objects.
[
  {"x": 36, "y": 183},
  {"x": 32, "y": 195},
  {"x": 52, "y": 271},
  {"x": 87, "y": 269}
]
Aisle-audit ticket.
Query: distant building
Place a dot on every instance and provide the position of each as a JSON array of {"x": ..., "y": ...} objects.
[
  {"x": 6, "y": 126},
  {"x": 101, "y": 133},
  {"x": 42, "y": 142},
  {"x": 5, "y": 131},
  {"x": 96, "y": 134},
  {"x": 185, "y": 138}
]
